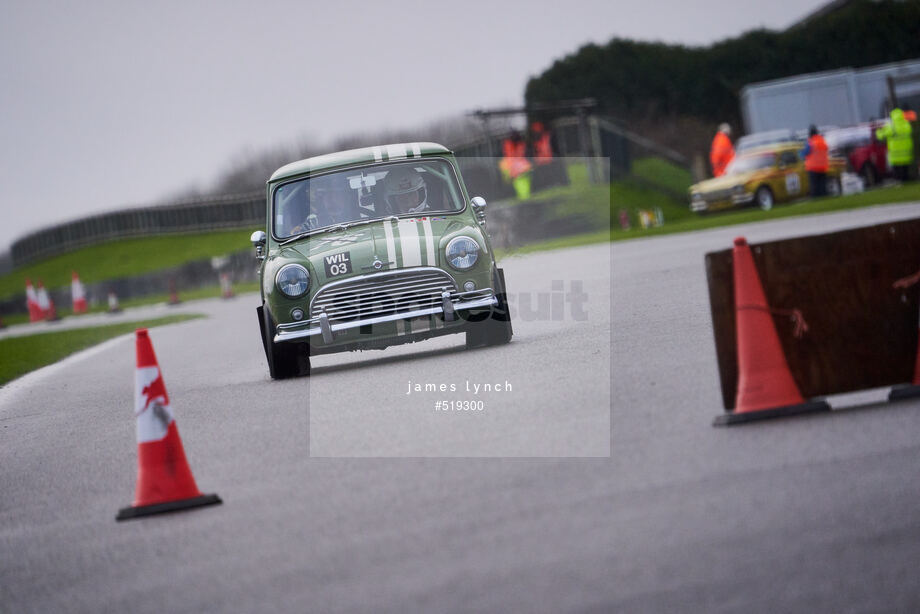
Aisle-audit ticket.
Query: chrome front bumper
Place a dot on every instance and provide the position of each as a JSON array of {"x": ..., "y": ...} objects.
[{"x": 451, "y": 303}]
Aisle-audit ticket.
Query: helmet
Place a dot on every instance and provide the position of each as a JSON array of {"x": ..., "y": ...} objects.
[
  {"x": 405, "y": 190},
  {"x": 724, "y": 127}
]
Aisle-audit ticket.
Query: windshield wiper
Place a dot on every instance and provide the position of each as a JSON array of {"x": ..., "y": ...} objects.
[
  {"x": 295, "y": 237},
  {"x": 344, "y": 226},
  {"x": 314, "y": 231},
  {"x": 370, "y": 220}
]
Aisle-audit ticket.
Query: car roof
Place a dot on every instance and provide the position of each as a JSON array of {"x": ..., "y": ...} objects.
[
  {"x": 378, "y": 153},
  {"x": 773, "y": 148}
]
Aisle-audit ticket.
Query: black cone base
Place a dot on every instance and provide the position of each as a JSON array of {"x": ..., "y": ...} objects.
[
  {"x": 810, "y": 407},
  {"x": 904, "y": 392},
  {"x": 128, "y": 513}
]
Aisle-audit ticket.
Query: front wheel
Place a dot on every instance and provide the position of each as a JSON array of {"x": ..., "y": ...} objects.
[
  {"x": 284, "y": 359},
  {"x": 764, "y": 198},
  {"x": 496, "y": 329}
]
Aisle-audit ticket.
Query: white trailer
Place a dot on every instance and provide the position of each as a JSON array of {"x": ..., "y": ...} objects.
[{"x": 834, "y": 98}]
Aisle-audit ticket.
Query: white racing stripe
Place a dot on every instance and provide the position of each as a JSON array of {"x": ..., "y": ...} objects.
[
  {"x": 408, "y": 241},
  {"x": 429, "y": 241},
  {"x": 391, "y": 243},
  {"x": 396, "y": 151},
  {"x": 378, "y": 154},
  {"x": 416, "y": 150}
]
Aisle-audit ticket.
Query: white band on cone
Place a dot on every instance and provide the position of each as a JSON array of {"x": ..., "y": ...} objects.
[{"x": 150, "y": 405}]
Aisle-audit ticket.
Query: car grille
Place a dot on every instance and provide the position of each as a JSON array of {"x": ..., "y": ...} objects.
[
  {"x": 382, "y": 294},
  {"x": 718, "y": 195}
]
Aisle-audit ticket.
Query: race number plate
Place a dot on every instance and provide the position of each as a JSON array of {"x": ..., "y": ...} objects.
[{"x": 337, "y": 264}]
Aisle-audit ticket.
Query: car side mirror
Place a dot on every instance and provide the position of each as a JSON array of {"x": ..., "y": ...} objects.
[
  {"x": 258, "y": 241},
  {"x": 479, "y": 208}
]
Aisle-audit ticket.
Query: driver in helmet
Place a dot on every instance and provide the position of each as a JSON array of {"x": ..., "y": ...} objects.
[
  {"x": 405, "y": 191},
  {"x": 329, "y": 204}
]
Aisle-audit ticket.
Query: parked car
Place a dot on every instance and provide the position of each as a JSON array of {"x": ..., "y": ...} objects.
[
  {"x": 374, "y": 247},
  {"x": 761, "y": 176},
  {"x": 865, "y": 155}
]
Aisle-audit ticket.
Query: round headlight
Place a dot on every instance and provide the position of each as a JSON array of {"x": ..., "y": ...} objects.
[
  {"x": 293, "y": 280},
  {"x": 462, "y": 253}
]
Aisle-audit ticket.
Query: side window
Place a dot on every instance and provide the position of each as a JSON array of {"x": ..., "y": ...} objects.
[{"x": 788, "y": 158}]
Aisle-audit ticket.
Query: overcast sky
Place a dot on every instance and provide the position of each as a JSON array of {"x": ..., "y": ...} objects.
[{"x": 109, "y": 104}]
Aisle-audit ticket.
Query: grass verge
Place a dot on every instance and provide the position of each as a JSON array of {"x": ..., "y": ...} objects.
[
  {"x": 879, "y": 196},
  {"x": 24, "y": 354},
  {"x": 687, "y": 221}
]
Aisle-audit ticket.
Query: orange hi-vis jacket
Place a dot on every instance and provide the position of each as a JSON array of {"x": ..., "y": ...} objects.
[
  {"x": 514, "y": 163},
  {"x": 816, "y": 159},
  {"x": 721, "y": 153},
  {"x": 543, "y": 151},
  {"x": 513, "y": 149}
]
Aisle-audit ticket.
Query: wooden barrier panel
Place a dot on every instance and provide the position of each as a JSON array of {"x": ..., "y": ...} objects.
[{"x": 862, "y": 333}]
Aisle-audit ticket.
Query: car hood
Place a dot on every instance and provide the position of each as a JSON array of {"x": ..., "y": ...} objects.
[
  {"x": 725, "y": 182},
  {"x": 406, "y": 242}
]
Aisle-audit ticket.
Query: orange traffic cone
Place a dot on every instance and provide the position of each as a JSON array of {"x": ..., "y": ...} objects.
[
  {"x": 46, "y": 304},
  {"x": 173, "y": 293},
  {"x": 164, "y": 479},
  {"x": 35, "y": 312},
  {"x": 766, "y": 388},
  {"x": 77, "y": 293}
]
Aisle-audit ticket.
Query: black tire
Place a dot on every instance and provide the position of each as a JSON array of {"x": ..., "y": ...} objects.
[
  {"x": 869, "y": 174},
  {"x": 284, "y": 359},
  {"x": 496, "y": 329},
  {"x": 764, "y": 198}
]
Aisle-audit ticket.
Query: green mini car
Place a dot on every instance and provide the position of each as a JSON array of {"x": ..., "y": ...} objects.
[{"x": 374, "y": 247}]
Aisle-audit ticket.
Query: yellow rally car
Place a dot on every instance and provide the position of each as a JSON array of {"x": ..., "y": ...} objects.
[{"x": 761, "y": 176}]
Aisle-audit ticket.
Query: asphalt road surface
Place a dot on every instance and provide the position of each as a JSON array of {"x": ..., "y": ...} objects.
[{"x": 639, "y": 504}]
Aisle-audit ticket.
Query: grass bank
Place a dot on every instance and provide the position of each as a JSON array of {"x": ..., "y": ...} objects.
[{"x": 125, "y": 258}]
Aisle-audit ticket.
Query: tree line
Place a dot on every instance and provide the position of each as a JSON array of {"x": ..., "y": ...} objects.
[{"x": 641, "y": 81}]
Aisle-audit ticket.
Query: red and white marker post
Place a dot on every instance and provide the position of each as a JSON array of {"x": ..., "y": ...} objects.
[
  {"x": 77, "y": 293},
  {"x": 35, "y": 312},
  {"x": 45, "y": 303}
]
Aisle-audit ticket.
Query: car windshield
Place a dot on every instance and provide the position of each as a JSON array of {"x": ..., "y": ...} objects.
[
  {"x": 752, "y": 162},
  {"x": 413, "y": 188},
  {"x": 759, "y": 139}
]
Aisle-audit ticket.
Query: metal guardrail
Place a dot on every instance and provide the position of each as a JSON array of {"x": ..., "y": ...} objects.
[{"x": 230, "y": 211}]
